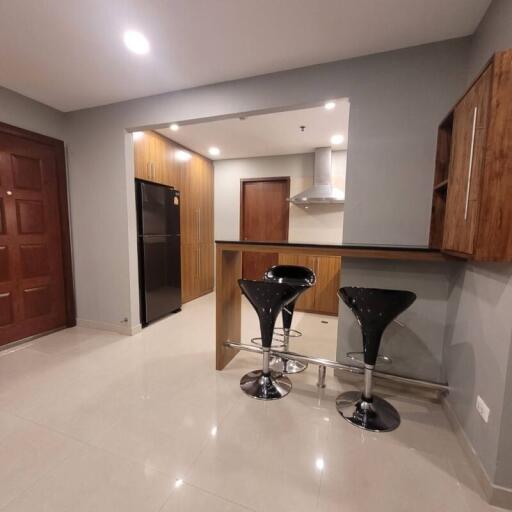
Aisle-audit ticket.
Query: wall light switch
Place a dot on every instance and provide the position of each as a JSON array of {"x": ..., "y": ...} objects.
[{"x": 482, "y": 408}]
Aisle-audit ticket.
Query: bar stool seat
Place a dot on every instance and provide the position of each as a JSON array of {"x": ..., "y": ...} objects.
[
  {"x": 268, "y": 299},
  {"x": 300, "y": 278},
  {"x": 374, "y": 309}
]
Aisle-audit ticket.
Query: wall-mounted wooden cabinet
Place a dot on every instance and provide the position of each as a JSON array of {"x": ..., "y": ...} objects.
[
  {"x": 321, "y": 298},
  {"x": 472, "y": 207},
  {"x": 155, "y": 160}
]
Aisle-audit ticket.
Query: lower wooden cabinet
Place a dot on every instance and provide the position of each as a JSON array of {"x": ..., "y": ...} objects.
[
  {"x": 321, "y": 298},
  {"x": 196, "y": 270}
]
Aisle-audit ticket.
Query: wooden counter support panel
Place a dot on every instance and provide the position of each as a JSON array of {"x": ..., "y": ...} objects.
[{"x": 228, "y": 304}]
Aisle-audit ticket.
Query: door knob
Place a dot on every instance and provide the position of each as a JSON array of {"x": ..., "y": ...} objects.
[{"x": 9, "y": 193}]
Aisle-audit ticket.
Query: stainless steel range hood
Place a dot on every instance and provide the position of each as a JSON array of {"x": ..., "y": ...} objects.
[{"x": 323, "y": 191}]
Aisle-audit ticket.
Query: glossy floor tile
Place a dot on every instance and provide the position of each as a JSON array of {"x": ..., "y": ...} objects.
[{"x": 96, "y": 421}]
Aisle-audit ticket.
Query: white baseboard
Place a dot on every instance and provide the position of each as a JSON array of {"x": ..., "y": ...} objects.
[
  {"x": 495, "y": 494},
  {"x": 105, "y": 326}
]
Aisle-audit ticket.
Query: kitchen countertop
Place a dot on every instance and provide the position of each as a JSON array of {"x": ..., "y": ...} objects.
[{"x": 343, "y": 250}]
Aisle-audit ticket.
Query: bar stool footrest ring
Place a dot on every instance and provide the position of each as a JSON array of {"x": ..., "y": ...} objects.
[
  {"x": 292, "y": 333},
  {"x": 276, "y": 342}
]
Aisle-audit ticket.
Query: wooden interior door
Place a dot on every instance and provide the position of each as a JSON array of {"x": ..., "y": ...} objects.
[
  {"x": 468, "y": 145},
  {"x": 33, "y": 241},
  {"x": 264, "y": 216}
]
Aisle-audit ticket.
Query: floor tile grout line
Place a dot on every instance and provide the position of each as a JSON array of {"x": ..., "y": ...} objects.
[{"x": 219, "y": 496}]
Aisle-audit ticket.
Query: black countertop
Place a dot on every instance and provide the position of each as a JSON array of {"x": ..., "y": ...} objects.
[{"x": 329, "y": 245}]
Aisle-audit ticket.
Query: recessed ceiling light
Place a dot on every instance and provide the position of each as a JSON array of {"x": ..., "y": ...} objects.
[
  {"x": 137, "y": 135},
  {"x": 183, "y": 156},
  {"x": 337, "y": 139},
  {"x": 329, "y": 105},
  {"x": 214, "y": 151},
  {"x": 136, "y": 42},
  {"x": 174, "y": 127}
]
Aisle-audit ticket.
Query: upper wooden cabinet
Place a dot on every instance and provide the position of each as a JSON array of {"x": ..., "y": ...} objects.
[
  {"x": 155, "y": 160},
  {"x": 471, "y": 207}
]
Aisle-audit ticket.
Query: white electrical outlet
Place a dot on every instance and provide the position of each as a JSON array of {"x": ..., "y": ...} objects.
[{"x": 482, "y": 408}]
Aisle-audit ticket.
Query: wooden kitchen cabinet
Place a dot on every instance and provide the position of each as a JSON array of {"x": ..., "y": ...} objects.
[
  {"x": 471, "y": 207},
  {"x": 151, "y": 155},
  {"x": 321, "y": 298},
  {"x": 155, "y": 160}
]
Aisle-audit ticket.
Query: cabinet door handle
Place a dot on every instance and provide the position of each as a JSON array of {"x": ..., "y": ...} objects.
[
  {"x": 148, "y": 170},
  {"x": 154, "y": 170},
  {"x": 198, "y": 226},
  {"x": 470, "y": 165}
]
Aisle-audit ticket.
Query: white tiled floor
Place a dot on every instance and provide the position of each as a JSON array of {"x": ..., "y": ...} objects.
[{"x": 95, "y": 421}]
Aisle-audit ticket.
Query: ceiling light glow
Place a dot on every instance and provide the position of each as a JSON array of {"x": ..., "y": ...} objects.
[
  {"x": 178, "y": 482},
  {"x": 136, "y": 42},
  {"x": 214, "y": 151},
  {"x": 337, "y": 139},
  {"x": 329, "y": 105},
  {"x": 183, "y": 156},
  {"x": 137, "y": 135},
  {"x": 319, "y": 463},
  {"x": 174, "y": 127}
]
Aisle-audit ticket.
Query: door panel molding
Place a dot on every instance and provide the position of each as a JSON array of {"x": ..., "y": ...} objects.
[{"x": 31, "y": 183}]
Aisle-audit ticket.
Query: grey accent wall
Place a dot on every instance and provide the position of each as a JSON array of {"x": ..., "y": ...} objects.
[
  {"x": 478, "y": 341},
  {"x": 477, "y": 354},
  {"x": 397, "y": 100},
  {"x": 416, "y": 348},
  {"x": 20, "y": 111},
  {"x": 493, "y": 34}
]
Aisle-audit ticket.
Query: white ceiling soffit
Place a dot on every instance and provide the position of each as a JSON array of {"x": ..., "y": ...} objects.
[
  {"x": 277, "y": 133},
  {"x": 70, "y": 54}
]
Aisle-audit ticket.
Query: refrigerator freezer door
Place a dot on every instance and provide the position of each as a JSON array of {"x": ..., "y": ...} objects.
[{"x": 158, "y": 210}]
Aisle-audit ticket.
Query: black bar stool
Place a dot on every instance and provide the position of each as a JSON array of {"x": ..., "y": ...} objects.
[
  {"x": 268, "y": 299},
  {"x": 300, "y": 278},
  {"x": 374, "y": 309}
]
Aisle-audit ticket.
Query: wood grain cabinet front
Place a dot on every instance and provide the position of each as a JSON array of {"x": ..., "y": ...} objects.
[
  {"x": 156, "y": 160},
  {"x": 471, "y": 207},
  {"x": 321, "y": 298}
]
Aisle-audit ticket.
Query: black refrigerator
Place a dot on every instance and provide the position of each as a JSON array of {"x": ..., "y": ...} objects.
[{"x": 158, "y": 236}]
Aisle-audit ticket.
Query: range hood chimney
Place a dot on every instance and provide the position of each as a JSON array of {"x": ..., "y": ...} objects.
[{"x": 323, "y": 191}]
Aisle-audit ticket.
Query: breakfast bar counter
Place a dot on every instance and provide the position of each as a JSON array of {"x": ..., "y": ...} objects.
[{"x": 229, "y": 270}]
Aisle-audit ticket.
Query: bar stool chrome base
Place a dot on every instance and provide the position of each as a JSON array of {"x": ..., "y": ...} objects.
[
  {"x": 290, "y": 366},
  {"x": 376, "y": 416},
  {"x": 270, "y": 386}
]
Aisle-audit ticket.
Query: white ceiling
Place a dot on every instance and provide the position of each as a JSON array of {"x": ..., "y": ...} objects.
[
  {"x": 278, "y": 133},
  {"x": 69, "y": 53}
]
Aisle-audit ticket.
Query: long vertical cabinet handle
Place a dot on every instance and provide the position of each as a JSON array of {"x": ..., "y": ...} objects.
[
  {"x": 470, "y": 166},
  {"x": 199, "y": 224}
]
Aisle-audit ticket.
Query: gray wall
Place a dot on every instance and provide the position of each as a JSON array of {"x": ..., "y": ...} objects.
[
  {"x": 397, "y": 100},
  {"x": 479, "y": 334},
  {"x": 417, "y": 348},
  {"x": 23, "y": 112}
]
